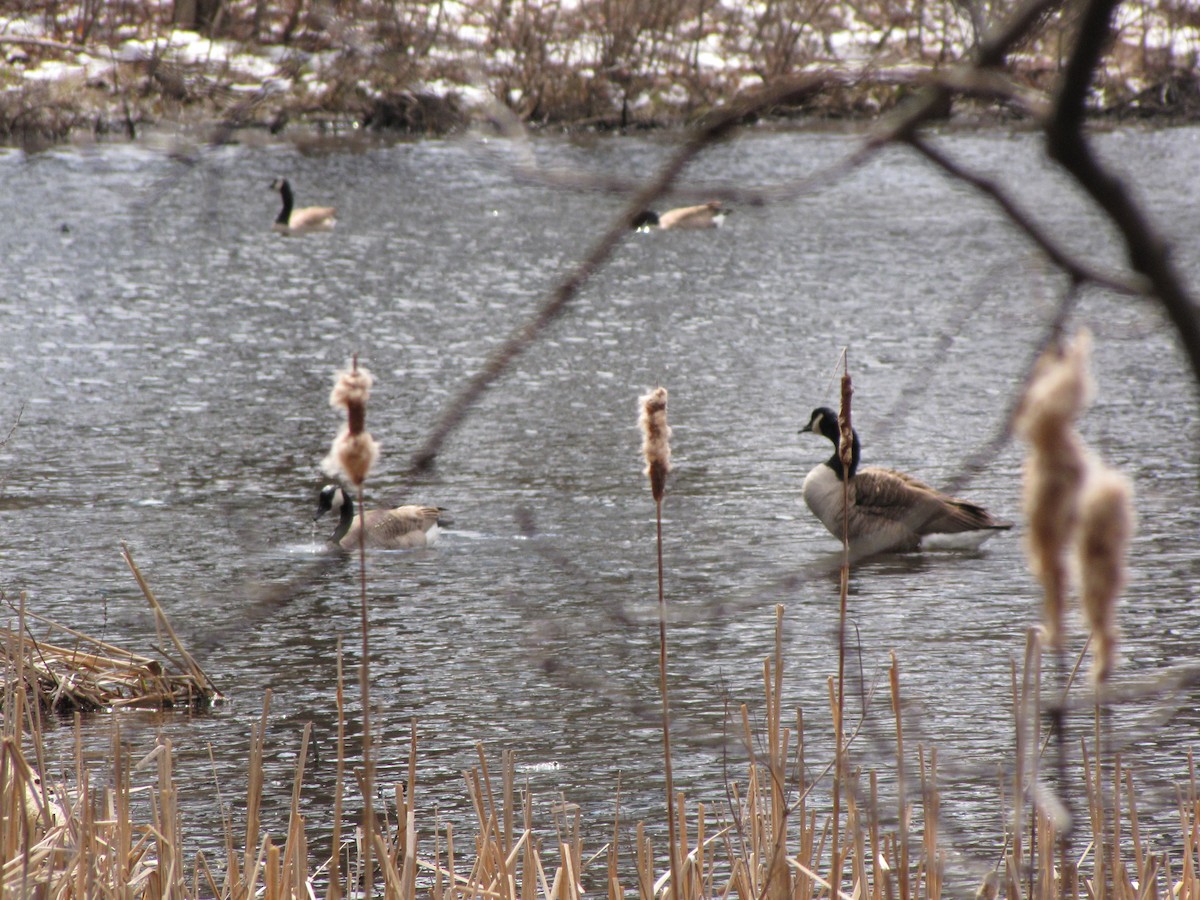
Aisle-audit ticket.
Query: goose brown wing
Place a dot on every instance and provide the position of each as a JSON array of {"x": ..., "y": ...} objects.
[
  {"x": 687, "y": 217},
  {"x": 391, "y": 526},
  {"x": 900, "y": 498},
  {"x": 312, "y": 217}
]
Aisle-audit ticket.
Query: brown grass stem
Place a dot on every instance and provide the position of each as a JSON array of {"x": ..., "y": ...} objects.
[
  {"x": 160, "y": 619},
  {"x": 364, "y": 686},
  {"x": 845, "y": 451},
  {"x": 668, "y": 775}
]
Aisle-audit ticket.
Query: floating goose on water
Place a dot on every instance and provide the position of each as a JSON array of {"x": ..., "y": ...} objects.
[
  {"x": 295, "y": 221},
  {"x": 387, "y": 529},
  {"x": 706, "y": 215},
  {"x": 889, "y": 511}
]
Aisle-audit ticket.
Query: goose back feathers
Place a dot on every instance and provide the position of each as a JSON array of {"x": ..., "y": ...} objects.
[
  {"x": 295, "y": 221},
  {"x": 386, "y": 529},
  {"x": 888, "y": 510},
  {"x": 706, "y": 215}
]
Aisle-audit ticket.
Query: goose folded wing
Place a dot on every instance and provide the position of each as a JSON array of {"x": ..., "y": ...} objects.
[
  {"x": 390, "y": 525},
  {"x": 902, "y": 499}
]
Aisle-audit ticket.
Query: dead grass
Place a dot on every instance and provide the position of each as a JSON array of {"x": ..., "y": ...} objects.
[{"x": 119, "y": 832}]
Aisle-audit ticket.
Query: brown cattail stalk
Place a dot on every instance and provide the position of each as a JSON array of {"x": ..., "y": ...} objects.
[
  {"x": 656, "y": 448},
  {"x": 353, "y": 454},
  {"x": 846, "y": 455},
  {"x": 1106, "y": 524}
]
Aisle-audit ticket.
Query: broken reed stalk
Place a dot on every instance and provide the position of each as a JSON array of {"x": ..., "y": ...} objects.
[
  {"x": 364, "y": 687},
  {"x": 846, "y": 455},
  {"x": 334, "y": 891},
  {"x": 161, "y": 620},
  {"x": 901, "y": 780},
  {"x": 656, "y": 448}
]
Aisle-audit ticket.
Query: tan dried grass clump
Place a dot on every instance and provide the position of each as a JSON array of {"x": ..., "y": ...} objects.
[
  {"x": 354, "y": 451},
  {"x": 1060, "y": 389},
  {"x": 656, "y": 440}
]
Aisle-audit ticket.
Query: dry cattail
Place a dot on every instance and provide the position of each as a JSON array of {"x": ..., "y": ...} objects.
[
  {"x": 656, "y": 440},
  {"x": 351, "y": 388},
  {"x": 354, "y": 451},
  {"x": 1106, "y": 522},
  {"x": 1059, "y": 390},
  {"x": 1052, "y": 486},
  {"x": 1054, "y": 470}
]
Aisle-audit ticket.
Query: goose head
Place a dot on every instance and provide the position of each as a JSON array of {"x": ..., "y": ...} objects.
[
  {"x": 334, "y": 499},
  {"x": 824, "y": 421},
  {"x": 647, "y": 218}
]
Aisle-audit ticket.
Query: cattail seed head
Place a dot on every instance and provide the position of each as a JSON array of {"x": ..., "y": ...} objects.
[
  {"x": 351, "y": 387},
  {"x": 351, "y": 455},
  {"x": 354, "y": 451},
  {"x": 656, "y": 440},
  {"x": 1058, "y": 391},
  {"x": 845, "y": 427},
  {"x": 1051, "y": 497},
  {"x": 1106, "y": 523}
]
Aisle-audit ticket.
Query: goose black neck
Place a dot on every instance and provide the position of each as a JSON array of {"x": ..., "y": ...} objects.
[
  {"x": 835, "y": 462},
  {"x": 285, "y": 214},
  {"x": 345, "y": 518}
]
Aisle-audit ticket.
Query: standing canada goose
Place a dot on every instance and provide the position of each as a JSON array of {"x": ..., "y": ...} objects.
[
  {"x": 706, "y": 215},
  {"x": 296, "y": 221},
  {"x": 387, "y": 529},
  {"x": 889, "y": 511}
]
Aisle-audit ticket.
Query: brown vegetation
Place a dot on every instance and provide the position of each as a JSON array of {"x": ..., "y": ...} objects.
[{"x": 424, "y": 66}]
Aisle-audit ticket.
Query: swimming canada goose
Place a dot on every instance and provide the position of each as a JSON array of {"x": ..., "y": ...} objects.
[
  {"x": 295, "y": 221},
  {"x": 387, "y": 529},
  {"x": 889, "y": 511},
  {"x": 706, "y": 215}
]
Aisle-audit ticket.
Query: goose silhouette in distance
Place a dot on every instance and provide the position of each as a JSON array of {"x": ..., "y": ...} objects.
[
  {"x": 889, "y": 511},
  {"x": 706, "y": 215},
  {"x": 400, "y": 528},
  {"x": 297, "y": 221}
]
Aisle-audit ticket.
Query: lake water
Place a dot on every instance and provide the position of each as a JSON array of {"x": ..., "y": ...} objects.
[{"x": 173, "y": 357}]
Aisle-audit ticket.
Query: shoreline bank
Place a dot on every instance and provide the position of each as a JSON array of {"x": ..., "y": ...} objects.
[{"x": 134, "y": 68}]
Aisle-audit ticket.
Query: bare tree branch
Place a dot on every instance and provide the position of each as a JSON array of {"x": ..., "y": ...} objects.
[
  {"x": 1148, "y": 252},
  {"x": 1078, "y": 271}
]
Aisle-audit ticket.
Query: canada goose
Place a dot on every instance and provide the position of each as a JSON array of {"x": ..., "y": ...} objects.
[
  {"x": 706, "y": 215},
  {"x": 295, "y": 221},
  {"x": 387, "y": 529},
  {"x": 889, "y": 511}
]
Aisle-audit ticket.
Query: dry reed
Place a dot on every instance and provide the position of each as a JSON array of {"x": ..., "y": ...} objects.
[
  {"x": 353, "y": 454},
  {"x": 656, "y": 449},
  {"x": 774, "y": 841}
]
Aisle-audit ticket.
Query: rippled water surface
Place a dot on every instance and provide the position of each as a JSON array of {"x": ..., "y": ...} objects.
[{"x": 171, "y": 357}]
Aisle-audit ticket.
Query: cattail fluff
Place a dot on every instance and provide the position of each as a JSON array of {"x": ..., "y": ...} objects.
[
  {"x": 1106, "y": 523},
  {"x": 656, "y": 440},
  {"x": 1059, "y": 390},
  {"x": 354, "y": 451}
]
